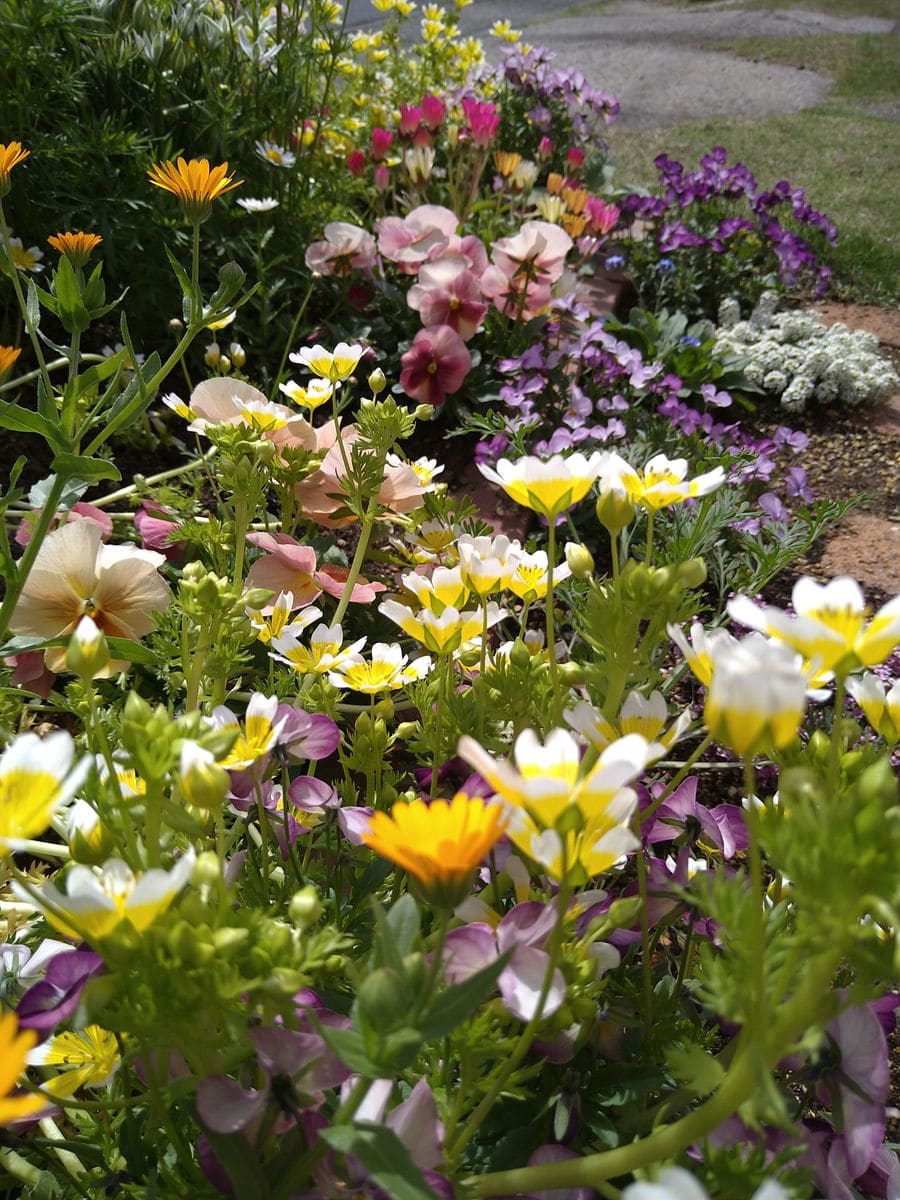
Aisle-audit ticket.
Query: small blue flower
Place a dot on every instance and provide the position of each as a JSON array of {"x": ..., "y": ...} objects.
[
  {"x": 665, "y": 266},
  {"x": 690, "y": 340},
  {"x": 615, "y": 262}
]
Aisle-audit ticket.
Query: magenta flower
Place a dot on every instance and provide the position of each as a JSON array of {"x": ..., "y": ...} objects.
[
  {"x": 601, "y": 217},
  {"x": 345, "y": 248},
  {"x": 306, "y": 735},
  {"x": 381, "y": 177},
  {"x": 435, "y": 365},
  {"x": 410, "y": 119},
  {"x": 156, "y": 532},
  {"x": 482, "y": 121},
  {"x": 356, "y": 163},
  {"x": 433, "y": 111},
  {"x": 382, "y": 140},
  {"x": 448, "y": 294}
]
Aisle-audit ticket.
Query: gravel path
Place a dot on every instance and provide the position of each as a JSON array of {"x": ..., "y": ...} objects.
[{"x": 651, "y": 56}]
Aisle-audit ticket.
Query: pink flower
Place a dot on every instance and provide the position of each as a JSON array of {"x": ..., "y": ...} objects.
[
  {"x": 356, "y": 163},
  {"x": 433, "y": 111},
  {"x": 423, "y": 234},
  {"x": 78, "y": 512},
  {"x": 382, "y": 178},
  {"x": 31, "y": 672},
  {"x": 346, "y": 248},
  {"x": 382, "y": 140},
  {"x": 575, "y": 158},
  {"x": 410, "y": 119},
  {"x": 321, "y": 494},
  {"x": 545, "y": 149},
  {"x": 471, "y": 248},
  {"x": 601, "y": 217},
  {"x": 448, "y": 294},
  {"x": 232, "y": 402},
  {"x": 482, "y": 120},
  {"x": 156, "y": 532},
  {"x": 524, "y": 267},
  {"x": 435, "y": 365},
  {"x": 288, "y": 566}
]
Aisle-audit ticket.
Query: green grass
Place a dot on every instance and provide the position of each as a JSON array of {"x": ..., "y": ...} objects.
[{"x": 843, "y": 152}]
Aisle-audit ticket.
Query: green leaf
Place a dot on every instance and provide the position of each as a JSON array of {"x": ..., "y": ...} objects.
[
  {"x": 695, "y": 1067},
  {"x": 384, "y": 1156},
  {"x": 403, "y": 920},
  {"x": 32, "y": 308},
  {"x": 348, "y": 1045},
  {"x": 72, "y": 313},
  {"x": 132, "y": 651},
  {"x": 100, "y": 371},
  {"x": 119, "y": 647},
  {"x": 73, "y": 490},
  {"x": 184, "y": 280},
  {"x": 81, "y": 467},
  {"x": 12, "y": 416},
  {"x": 460, "y": 1001}
]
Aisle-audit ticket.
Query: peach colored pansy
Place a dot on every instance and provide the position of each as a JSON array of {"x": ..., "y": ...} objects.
[
  {"x": 75, "y": 575},
  {"x": 322, "y": 494},
  {"x": 288, "y": 566},
  {"x": 423, "y": 234},
  {"x": 233, "y": 402}
]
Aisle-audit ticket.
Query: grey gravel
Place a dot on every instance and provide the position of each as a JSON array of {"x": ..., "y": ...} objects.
[{"x": 653, "y": 57}]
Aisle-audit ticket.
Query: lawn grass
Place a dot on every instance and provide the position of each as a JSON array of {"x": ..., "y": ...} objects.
[{"x": 844, "y": 152}]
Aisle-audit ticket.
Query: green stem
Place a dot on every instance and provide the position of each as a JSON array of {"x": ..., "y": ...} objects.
[
  {"x": 551, "y": 624},
  {"x": 646, "y": 964},
  {"x": 359, "y": 558},
  {"x": 648, "y": 556},
  {"x": 196, "y": 298},
  {"x": 15, "y": 584},
  {"x": 290, "y": 338},
  {"x": 834, "y": 754},
  {"x": 23, "y": 307},
  {"x": 149, "y": 480},
  {"x": 439, "y": 724},
  {"x": 758, "y": 1017}
]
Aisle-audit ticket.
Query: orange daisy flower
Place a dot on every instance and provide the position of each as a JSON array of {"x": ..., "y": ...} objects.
[
  {"x": 77, "y": 247},
  {"x": 8, "y": 356},
  {"x": 195, "y": 184},
  {"x": 14, "y": 1047},
  {"x": 11, "y": 155}
]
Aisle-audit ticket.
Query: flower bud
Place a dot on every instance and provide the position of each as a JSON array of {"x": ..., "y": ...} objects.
[
  {"x": 424, "y": 412},
  {"x": 176, "y": 325},
  {"x": 212, "y": 355},
  {"x": 203, "y": 782},
  {"x": 88, "y": 653},
  {"x": 90, "y": 841},
  {"x": 614, "y": 510},
  {"x": 224, "y": 364},
  {"x": 692, "y": 574},
  {"x": 407, "y": 729},
  {"x": 305, "y": 907},
  {"x": 382, "y": 999},
  {"x": 238, "y": 354},
  {"x": 580, "y": 560},
  {"x": 207, "y": 869},
  {"x": 377, "y": 381}
]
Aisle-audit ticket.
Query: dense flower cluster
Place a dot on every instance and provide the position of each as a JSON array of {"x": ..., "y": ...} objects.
[{"x": 794, "y": 356}]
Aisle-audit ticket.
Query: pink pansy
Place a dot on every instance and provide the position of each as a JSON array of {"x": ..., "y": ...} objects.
[
  {"x": 75, "y": 575},
  {"x": 423, "y": 234},
  {"x": 288, "y": 566},
  {"x": 524, "y": 267},
  {"x": 435, "y": 365},
  {"x": 233, "y": 402},
  {"x": 433, "y": 111},
  {"x": 601, "y": 217},
  {"x": 471, "y": 248},
  {"x": 156, "y": 532},
  {"x": 482, "y": 120},
  {"x": 78, "y": 512},
  {"x": 524, "y": 929},
  {"x": 354, "y": 822},
  {"x": 382, "y": 140},
  {"x": 306, "y": 735},
  {"x": 321, "y": 495},
  {"x": 448, "y": 294},
  {"x": 345, "y": 248}
]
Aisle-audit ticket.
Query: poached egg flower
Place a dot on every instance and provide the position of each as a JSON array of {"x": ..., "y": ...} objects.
[
  {"x": 547, "y": 486},
  {"x": 334, "y": 365},
  {"x": 37, "y": 776},
  {"x": 662, "y": 482}
]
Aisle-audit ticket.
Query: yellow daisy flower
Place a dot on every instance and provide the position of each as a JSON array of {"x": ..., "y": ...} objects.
[
  {"x": 194, "y": 183},
  {"x": 77, "y": 247},
  {"x": 11, "y": 154}
]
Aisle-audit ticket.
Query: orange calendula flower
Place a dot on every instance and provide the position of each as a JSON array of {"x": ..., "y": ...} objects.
[
  {"x": 8, "y": 356},
  {"x": 11, "y": 155},
  {"x": 440, "y": 844},
  {"x": 14, "y": 1047},
  {"x": 195, "y": 183},
  {"x": 77, "y": 247}
]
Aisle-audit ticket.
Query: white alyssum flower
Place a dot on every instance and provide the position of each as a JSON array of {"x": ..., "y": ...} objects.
[{"x": 794, "y": 356}]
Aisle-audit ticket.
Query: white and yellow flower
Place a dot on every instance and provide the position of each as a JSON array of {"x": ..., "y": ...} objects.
[
  {"x": 488, "y": 563},
  {"x": 334, "y": 365},
  {"x": 530, "y": 578},
  {"x": 97, "y": 900},
  {"x": 830, "y": 629},
  {"x": 37, "y": 776},
  {"x": 313, "y": 396},
  {"x": 547, "y": 781},
  {"x": 325, "y": 652},
  {"x": 442, "y": 633},
  {"x": 270, "y": 626},
  {"x": 277, "y": 155},
  {"x": 639, "y": 714},
  {"x": 577, "y": 855},
  {"x": 880, "y": 704},
  {"x": 445, "y": 588},
  {"x": 702, "y": 647},
  {"x": 662, "y": 481},
  {"x": 548, "y": 487},
  {"x": 258, "y": 734},
  {"x": 757, "y": 695},
  {"x": 387, "y": 670},
  {"x": 90, "y": 1056}
]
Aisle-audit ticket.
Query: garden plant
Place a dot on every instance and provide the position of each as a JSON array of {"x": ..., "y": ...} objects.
[{"x": 349, "y": 845}]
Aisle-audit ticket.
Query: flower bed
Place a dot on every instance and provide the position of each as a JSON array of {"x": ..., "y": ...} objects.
[{"x": 348, "y": 846}]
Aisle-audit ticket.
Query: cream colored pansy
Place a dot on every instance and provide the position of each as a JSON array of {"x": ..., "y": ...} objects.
[
  {"x": 699, "y": 651},
  {"x": 257, "y": 736},
  {"x": 37, "y": 776},
  {"x": 644, "y": 715},
  {"x": 313, "y": 396},
  {"x": 830, "y": 628},
  {"x": 529, "y": 580},
  {"x": 334, "y": 365},
  {"x": 97, "y": 900},
  {"x": 662, "y": 481},
  {"x": 445, "y": 588},
  {"x": 547, "y": 783},
  {"x": 880, "y": 704},
  {"x": 387, "y": 670},
  {"x": 326, "y": 650},
  {"x": 757, "y": 695},
  {"x": 90, "y": 1057},
  {"x": 442, "y": 633},
  {"x": 488, "y": 563},
  {"x": 548, "y": 487},
  {"x": 278, "y": 622}
]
